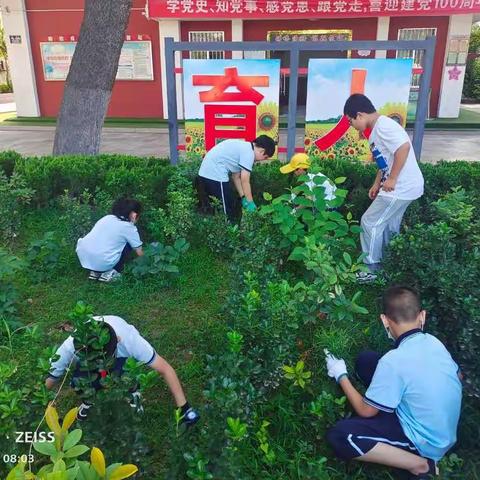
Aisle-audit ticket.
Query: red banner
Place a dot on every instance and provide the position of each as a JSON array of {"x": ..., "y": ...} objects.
[{"x": 281, "y": 9}]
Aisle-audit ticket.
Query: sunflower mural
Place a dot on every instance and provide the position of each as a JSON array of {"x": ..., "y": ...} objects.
[
  {"x": 265, "y": 98},
  {"x": 387, "y": 84},
  {"x": 396, "y": 111}
]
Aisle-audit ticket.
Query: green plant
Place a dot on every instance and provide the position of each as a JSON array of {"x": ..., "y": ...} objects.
[
  {"x": 328, "y": 409},
  {"x": 262, "y": 436},
  {"x": 441, "y": 260},
  {"x": 15, "y": 196},
  {"x": 297, "y": 374},
  {"x": 10, "y": 265},
  {"x": 236, "y": 429},
  {"x": 44, "y": 255},
  {"x": 63, "y": 454},
  {"x": 160, "y": 259},
  {"x": 197, "y": 467},
  {"x": 77, "y": 215},
  {"x": 176, "y": 220}
]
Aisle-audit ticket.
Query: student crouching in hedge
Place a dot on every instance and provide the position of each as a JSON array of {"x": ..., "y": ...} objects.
[
  {"x": 105, "y": 249},
  {"x": 409, "y": 414}
]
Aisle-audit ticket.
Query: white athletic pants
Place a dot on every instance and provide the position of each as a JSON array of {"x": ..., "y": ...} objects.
[{"x": 379, "y": 223}]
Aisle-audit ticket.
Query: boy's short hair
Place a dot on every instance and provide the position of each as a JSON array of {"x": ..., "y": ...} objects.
[
  {"x": 401, "y": 304},
  {"x": 357, "y": 103},
  {"x": 124, "y": 206},
  {"x": 267, "y": 143}
]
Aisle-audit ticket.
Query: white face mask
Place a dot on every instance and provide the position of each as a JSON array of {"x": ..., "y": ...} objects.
[{"x": 389, "y": 333}]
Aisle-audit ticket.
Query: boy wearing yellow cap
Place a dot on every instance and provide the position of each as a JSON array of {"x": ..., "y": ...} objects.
[{"x": 299, "y": 165}]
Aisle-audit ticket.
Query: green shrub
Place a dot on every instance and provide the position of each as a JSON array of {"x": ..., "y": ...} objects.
[
  {"x": 119, "y": 175},
  {"x": 159, "y": 260},
  {"x": 10, "y": 265},
  {"x": 44, "y": 256},
  {"x": 77, "y": 215},
  {"x": 442, "y": 261},
  {"x": 8, "y": 160},
  {"x": 15, "y": 196},
  {"x": 177, "y": 219}
]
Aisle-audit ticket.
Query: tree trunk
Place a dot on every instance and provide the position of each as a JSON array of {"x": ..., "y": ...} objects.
[{"x": 90, "y": 80}]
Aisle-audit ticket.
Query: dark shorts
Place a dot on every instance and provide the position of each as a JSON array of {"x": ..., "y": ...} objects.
[
  {"x": 220, "y": 190},
  {"x": 356, "y": 436}
]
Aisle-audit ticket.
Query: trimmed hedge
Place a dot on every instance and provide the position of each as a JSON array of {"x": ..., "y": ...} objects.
[
  {"x": 148, "y": 178},
  {"x": 114, "y": 174}
]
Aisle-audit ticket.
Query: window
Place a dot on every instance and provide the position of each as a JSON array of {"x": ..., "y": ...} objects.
[
  {"x": 207, "y": 37},
  {"x": 417, "y": 55}
]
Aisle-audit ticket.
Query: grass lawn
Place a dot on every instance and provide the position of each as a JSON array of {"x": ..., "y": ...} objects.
[{"x": 182, "y": 322}]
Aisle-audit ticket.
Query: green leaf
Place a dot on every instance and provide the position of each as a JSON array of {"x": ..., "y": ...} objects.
[
  {"x": 59, "y": 466},
  {"x": 347, "y": 258},
  {"x": 72, "y": 439},
  {"x": 76, "y": 451},
  {"x": 267, "y": 196},
  {"x": 340, "y": 180},
  {"x": 45, "y": 448}
]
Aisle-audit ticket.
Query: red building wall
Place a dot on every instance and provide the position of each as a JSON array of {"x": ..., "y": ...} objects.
[
  {"x": 441, "y": 24},
  {"x": 129, "y": 98}
]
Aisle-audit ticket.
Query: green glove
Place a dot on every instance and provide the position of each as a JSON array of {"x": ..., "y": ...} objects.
[
  {"x": 250, "y": 206},
  {"x": 244, "y": 202}
]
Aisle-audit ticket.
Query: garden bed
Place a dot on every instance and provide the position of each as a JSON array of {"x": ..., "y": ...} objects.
[{"x": 244, "y": 325}]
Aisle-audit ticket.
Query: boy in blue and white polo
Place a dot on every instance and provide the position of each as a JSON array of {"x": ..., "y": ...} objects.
[
  {"x": 409, "y": 414},
  {"x": 233, "y": 158}
]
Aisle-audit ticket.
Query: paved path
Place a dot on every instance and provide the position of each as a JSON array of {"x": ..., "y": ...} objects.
[
  {"x": 7, "y": 103},
  {"x": 438, "y": 144}
]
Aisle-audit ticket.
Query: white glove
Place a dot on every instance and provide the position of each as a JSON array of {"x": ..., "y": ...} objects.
[{"x": 336, "y": 367}]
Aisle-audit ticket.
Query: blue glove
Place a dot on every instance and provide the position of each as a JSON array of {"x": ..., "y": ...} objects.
[{"x": 250, "y": 206}]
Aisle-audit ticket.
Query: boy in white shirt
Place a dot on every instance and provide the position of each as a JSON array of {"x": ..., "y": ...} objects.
[
  {"x": 398, "y": 183},
  {"x": 233, "y": 158},
  {"x": 123, "y": 342},
  {"x": 104, "y": 250}
]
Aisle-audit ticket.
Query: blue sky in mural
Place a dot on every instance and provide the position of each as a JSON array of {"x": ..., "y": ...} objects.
[
  {"x": 192, "y": 106},
  {"x": 388, "y": 80}
]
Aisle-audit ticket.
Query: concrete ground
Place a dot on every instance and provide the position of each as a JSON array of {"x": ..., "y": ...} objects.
[
  {"x": 437, "y": 145},
  {"x": 7, "y": 103}
]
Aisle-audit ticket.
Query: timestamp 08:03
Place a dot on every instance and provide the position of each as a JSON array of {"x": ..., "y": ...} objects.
[{"x": 13, "y": 458}]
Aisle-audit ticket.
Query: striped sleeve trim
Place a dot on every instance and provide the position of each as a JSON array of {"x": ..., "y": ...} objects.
[
  {"x": 152, "y": 359},
  {"x": 379, "y": 406},
  {"x": 245, "y": 168}
]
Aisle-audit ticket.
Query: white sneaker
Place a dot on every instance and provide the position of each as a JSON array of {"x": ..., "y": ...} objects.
[
  {"x": 136, "y": 402},
  {"x": 110, "y": 276},
  {"x": 94, "y": 275},
  {"x": 366, "y": 277}
]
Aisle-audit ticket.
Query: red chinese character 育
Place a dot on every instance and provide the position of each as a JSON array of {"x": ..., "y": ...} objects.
[{"x": 242, "y": 119}]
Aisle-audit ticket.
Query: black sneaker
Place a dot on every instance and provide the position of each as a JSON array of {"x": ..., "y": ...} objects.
[
  {"x": 83, "y": 410},
  {"x": 190, "y": 417}
]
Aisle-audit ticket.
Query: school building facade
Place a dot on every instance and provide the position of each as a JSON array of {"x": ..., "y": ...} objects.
[{"x": 41, "y": 36}]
